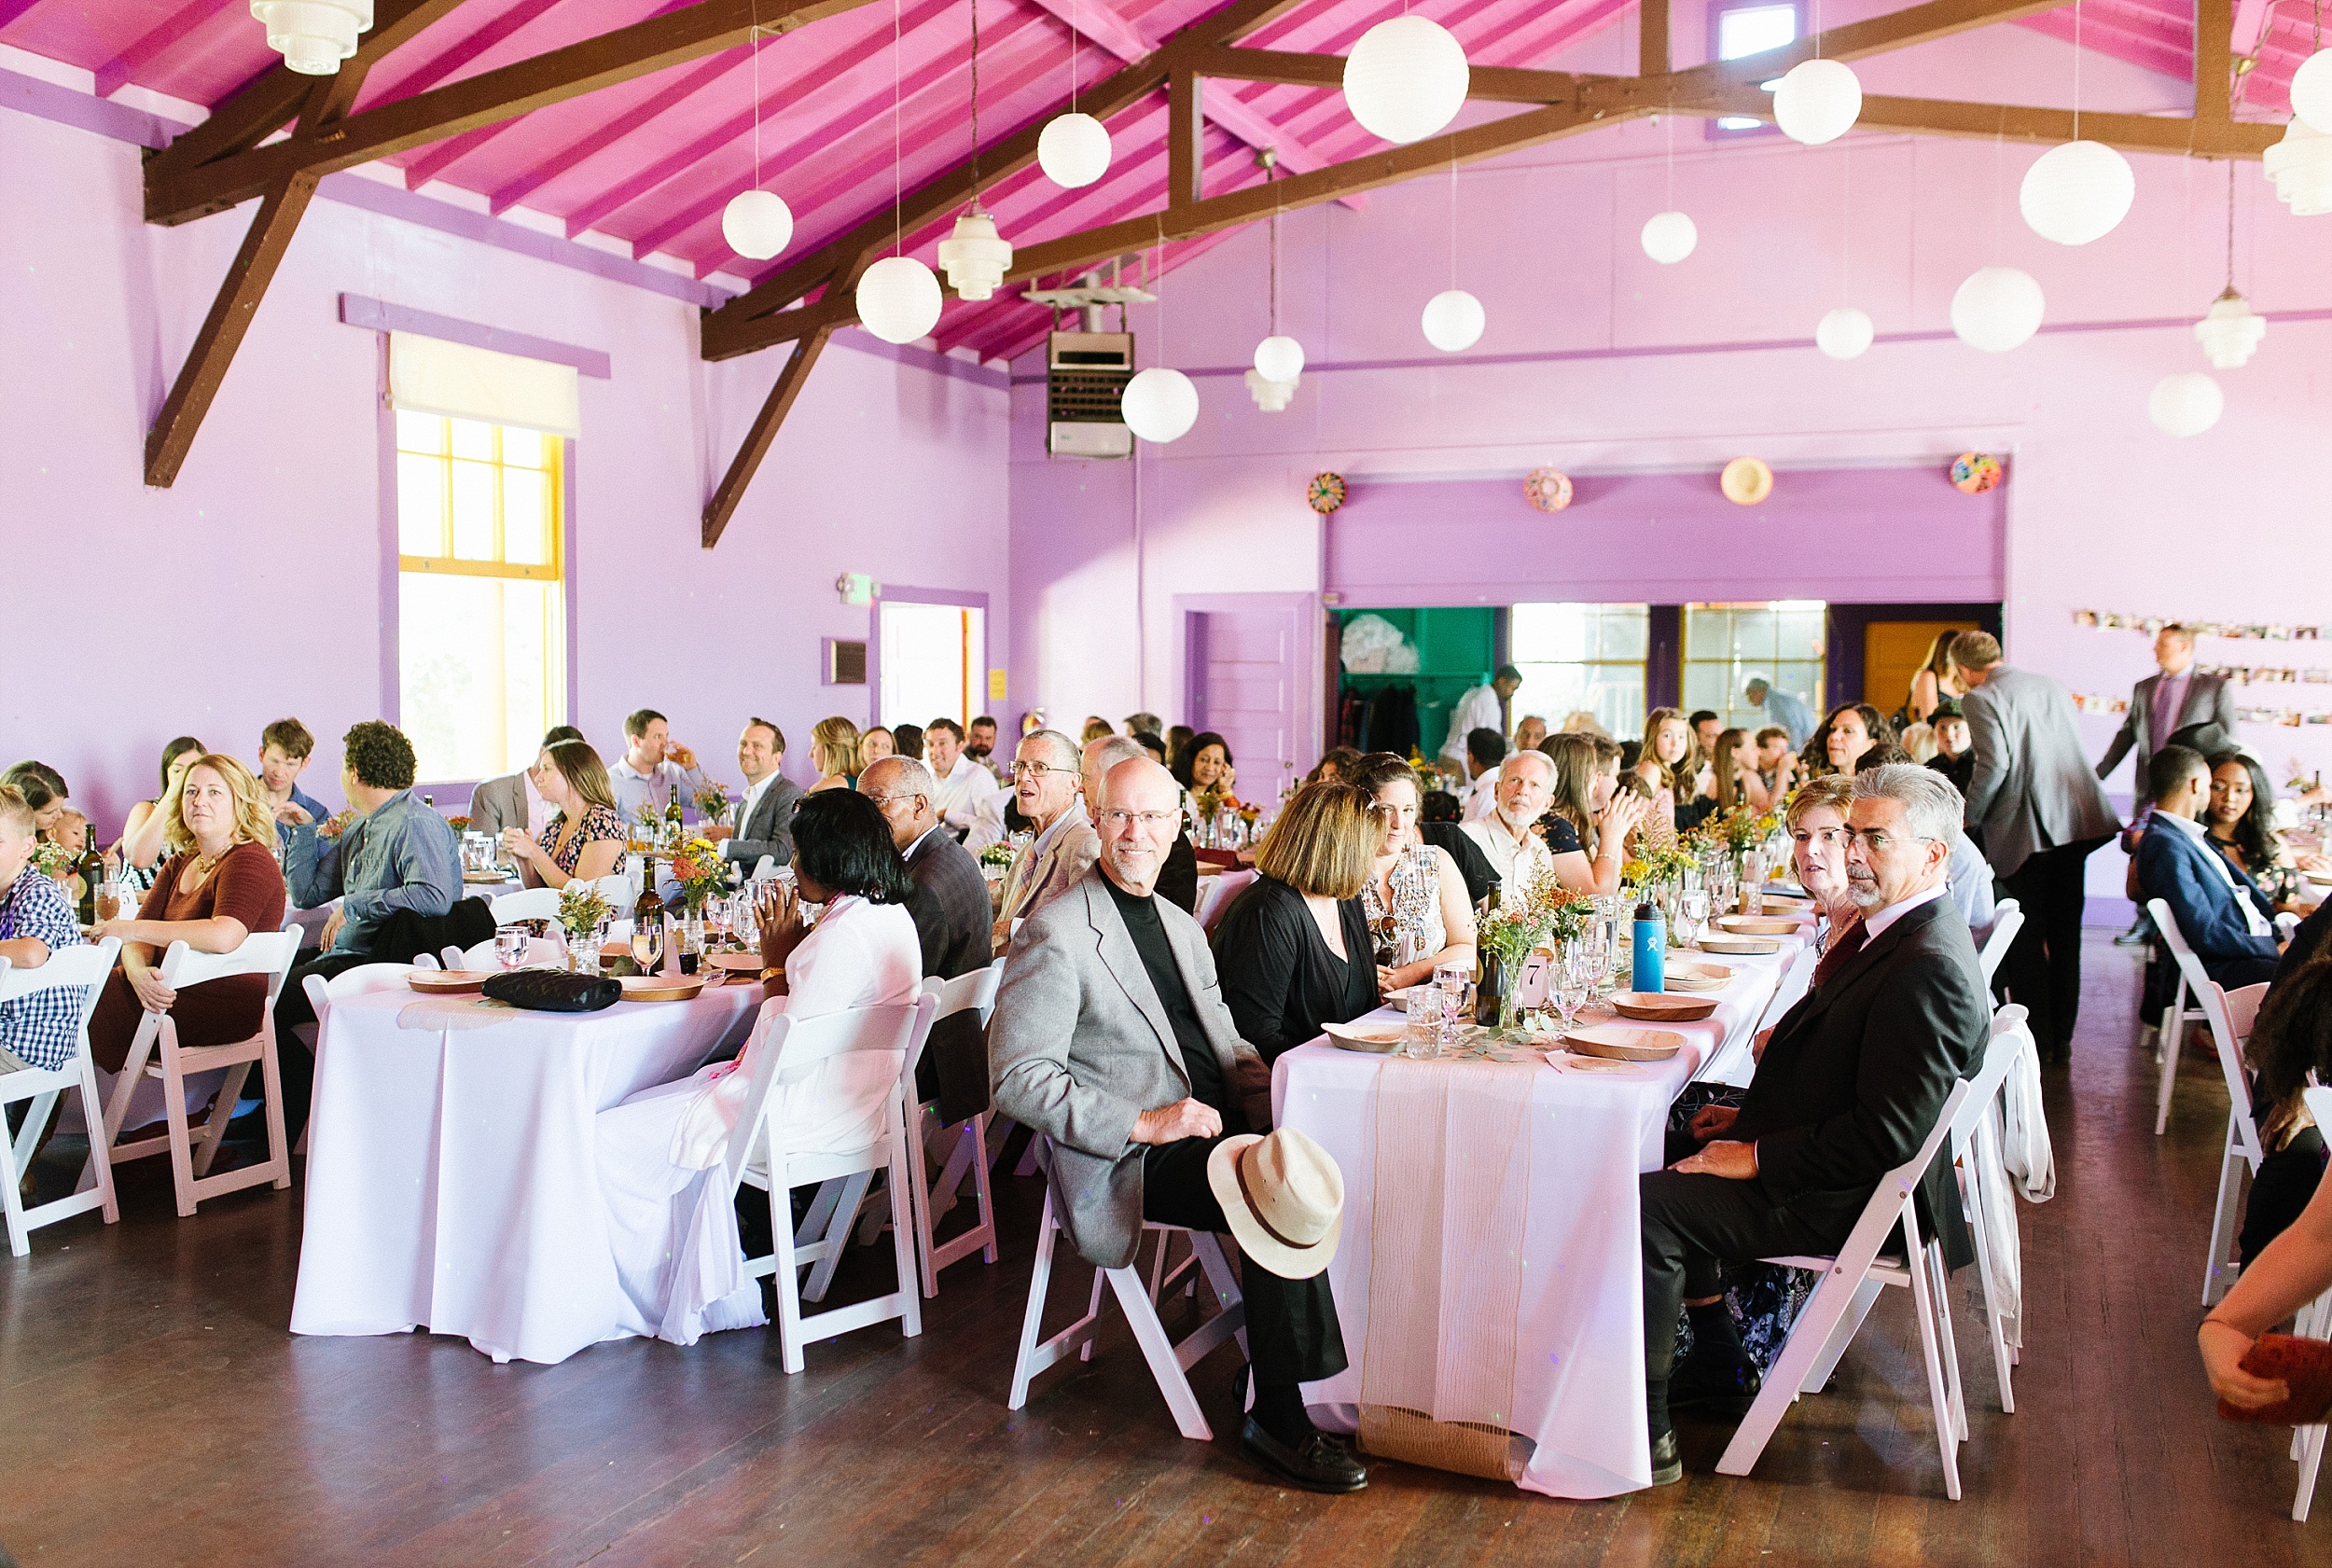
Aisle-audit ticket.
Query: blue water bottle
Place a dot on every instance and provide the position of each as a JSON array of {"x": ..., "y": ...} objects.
[{"x": 1651, "y": 950}]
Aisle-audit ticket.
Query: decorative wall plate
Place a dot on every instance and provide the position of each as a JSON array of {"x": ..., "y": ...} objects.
[
  {"x": 1327, "y": 492},
  {"x": 1746, "y": 481},
  {"x": 1976, "y": 472},
  {"x": 1547, "y": 488}
]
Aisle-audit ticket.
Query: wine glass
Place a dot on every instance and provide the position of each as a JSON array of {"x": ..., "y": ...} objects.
[
  {"x": 510, "y": 945},
  {"x": 1455, "y": 982},
  {"x": 1692, "y": 914},
  {"x": 1573, "y": 980},
  {"x": 647, "y": 945}
]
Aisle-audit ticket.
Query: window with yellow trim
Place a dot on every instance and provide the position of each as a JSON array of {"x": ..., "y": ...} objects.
[{"x": 481, "y": 614}]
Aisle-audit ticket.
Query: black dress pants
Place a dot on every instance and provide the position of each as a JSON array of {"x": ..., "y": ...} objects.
[
  {"x": 1292, "y": 1333},
  {"x": 2043, "y": 971},
  {"x": 1693, "y": 1223},
  {"x": 294, "y": 1062}
]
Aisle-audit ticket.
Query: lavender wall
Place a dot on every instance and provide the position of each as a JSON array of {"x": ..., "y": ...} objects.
[{"x": 253, "y": 587}]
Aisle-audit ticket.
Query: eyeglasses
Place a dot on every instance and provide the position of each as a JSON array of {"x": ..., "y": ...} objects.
[
  {"x": 1148, "y": 821},
  {"x": 1877, "y": 840},
  {"x": 1033, "y": 770},
  {"x": 881, "y": 800}
]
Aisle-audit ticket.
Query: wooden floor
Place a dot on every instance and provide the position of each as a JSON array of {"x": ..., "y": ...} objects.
[{"x": 154, "y": 1409}]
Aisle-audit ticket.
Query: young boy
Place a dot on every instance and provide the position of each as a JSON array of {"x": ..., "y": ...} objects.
[
  {"x": 284, "y": 748},
  {"x": 1954, "y": 758},
  {"x": 1772, "y": 752},
  {"x": 70, "y": 831}
]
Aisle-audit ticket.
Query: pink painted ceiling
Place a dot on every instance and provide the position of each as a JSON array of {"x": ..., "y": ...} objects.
[{"x": 651, "y": 162}]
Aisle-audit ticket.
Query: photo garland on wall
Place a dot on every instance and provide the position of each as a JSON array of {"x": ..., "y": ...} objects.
[{"x": 2234, "y": 674}]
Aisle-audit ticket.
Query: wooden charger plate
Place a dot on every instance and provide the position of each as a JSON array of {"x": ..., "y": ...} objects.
[
  {"x": 1711, "y": 941},
  {"x": 1615, "y": 1044},
  {"x": 1682, "y": 976},
  {"x": 450, "y": 983},
  {"x": 1755, "y": 925},
  {"x": 476, "y": 877},
  {"x": 1659, "y": 1006},
  {"x": 742, "y": 963},
  {"x": 1382, "y": 1038},
  {"x": 661, "y": 988}
]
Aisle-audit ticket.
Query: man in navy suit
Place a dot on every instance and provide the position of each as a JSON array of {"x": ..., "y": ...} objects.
[{"x": 2220, "y": 911}]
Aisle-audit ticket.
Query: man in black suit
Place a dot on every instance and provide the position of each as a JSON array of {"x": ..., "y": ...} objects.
[
  {"x": 950, "y": 903},
  {"x": 1849, "y": 1086},
  {"x": 762, "y": 823}
]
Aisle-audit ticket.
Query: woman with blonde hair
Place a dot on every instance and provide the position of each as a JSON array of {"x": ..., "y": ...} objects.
[
  {"x": 584, "y": 839},
  {"x": 1935, "y": 681},
  {"x": 1670, "y": 763},
  {"x": 834, "y": 752},
  {"x": 220, "y": 884},
  {"x": 1293, "y": 950}
]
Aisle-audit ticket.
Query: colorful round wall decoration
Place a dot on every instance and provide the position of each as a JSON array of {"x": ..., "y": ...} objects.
[
  {"x": 1327, "y": 492},
  {"x": 1976, "y": 472},
  {"x": 1746, "y": 481},
  {"x": 1548, "y": 489}
]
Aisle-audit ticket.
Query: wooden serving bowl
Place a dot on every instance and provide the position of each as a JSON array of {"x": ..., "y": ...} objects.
[
  {"x": 1660, "y": 1007},
  {"x": 1755, "y": 925},
  {"x": 1685, "y": 976},
  {"x": 1615, "y": 1044},
  {"x": 1380, "y": 1038},
  {"x": 661, "y": 988},
  {"x": 450, "y": 983},
  {"x": 1711, "y": 941}
]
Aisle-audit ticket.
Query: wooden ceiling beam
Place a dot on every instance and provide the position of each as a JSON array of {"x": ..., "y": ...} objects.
[
  {"x": 2014, "y": 122},
  {"x": 761, "y": 435}
]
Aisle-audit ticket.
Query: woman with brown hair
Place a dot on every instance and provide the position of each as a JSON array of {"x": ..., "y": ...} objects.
[
  {"x": 220, "y": 884},
  {"x": 1419, "y": 914},
  {"x": 1738, "y": 783},
  {"x": 1293, "y": 951},
  {"x": 1849, "y": 730},
  {"x": 584, "y": 839},
  {"x": 1588, "y": 842},
  {"x": 146, "y": 831},
  {"x": 1671, "y": 764},
  {"x": 1934, "y": 683}
]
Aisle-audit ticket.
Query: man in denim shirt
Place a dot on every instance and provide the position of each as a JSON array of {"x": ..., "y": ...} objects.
[{"x": 392, "y": 853}]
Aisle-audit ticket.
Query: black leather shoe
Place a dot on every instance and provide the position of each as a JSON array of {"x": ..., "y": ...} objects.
[
  {"x": 1318, "y": 1463},
  {"x": 1668, "y": 1465},
  {"x": 1713, "y": 1383}
]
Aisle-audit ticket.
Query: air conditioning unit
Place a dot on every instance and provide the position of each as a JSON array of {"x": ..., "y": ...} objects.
[{"x": 1085, "y": 377}]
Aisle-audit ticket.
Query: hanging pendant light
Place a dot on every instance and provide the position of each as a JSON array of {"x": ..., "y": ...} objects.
[
  {"x": 1073, "y": 149},
  {"x": 2301, "y": 167},
  {"x": 1454, "y": 321},
  {"x": 756, "y": 224},
  {"x": 898, "y": 299},
  {"x": 314, "y": 37},
  {"x": 1669, "y": 237},
  {"x": 1845, "y": 333},
  {"x": 1997, "y": 309},
  {"x": 2077, "y": 193},
  {"x": 1279, "y": 359},
  {"x": 1405, "y": 79},
  {"x": 1817, "y": 102},
  {"x": 2186, "y": 404},
  {"x": 1159, "y": 404},
  {"x": 2229, "y": 332},
  {"x": 1272, "y": 397},
  {"x": 2312, "y": 91},
  {"x": 975, "y": 256}
]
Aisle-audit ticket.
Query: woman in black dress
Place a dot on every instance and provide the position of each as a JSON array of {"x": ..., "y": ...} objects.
[{"x": 1292, "y": 952}]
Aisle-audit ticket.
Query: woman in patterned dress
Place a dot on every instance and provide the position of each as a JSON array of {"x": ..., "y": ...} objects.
[
  {"x": 1419, "y": 916},
  {"x": 584, "y": 838}
]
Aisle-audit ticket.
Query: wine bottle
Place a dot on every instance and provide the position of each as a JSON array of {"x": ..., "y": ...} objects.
[
  {"x": 648, "y": 914},
  {"x": 88, "y": 869},
  {"x": 1489, "y": 983}
]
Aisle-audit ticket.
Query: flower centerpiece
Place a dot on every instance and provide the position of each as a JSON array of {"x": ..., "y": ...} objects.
[
  {"x": 1544, "y": 914},
  {"x": 999, "y": 853},
  {"x": 51, "y": 860},
  {"x": 333, "y": 826},
  {"x": 1656, "y": 868},
  {"x": 459, "y": 824},
  {"x": 700, "y": 872},
  {"x": 582, "y": 907},
  {"x": 713, "y": 802}
]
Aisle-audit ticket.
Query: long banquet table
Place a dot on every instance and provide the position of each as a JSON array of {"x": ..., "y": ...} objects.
[
  {"x": 452, "y": 1181},
  {"x": 1490, "y": 1271}
]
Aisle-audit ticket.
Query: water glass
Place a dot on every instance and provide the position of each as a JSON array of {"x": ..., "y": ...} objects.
[
  {"x": 1572, "y": 981},
  {"x": 1692, "y": 916},
  {"x": 510, "y": 945},
  {"x": 1428, "y": 1012}
]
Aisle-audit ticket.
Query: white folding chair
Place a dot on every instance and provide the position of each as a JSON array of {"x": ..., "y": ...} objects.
[
  {"x": 789, "y": 1053},
  {"x": 2240, "y": 1160},
  {"x": 2169, "y": 1034},
  {"x": 972, "y": 993},
  {"x": 1975, "y": 1152},
  {"x": 1169, "y": 1361},
  {"x": 322, "y": 993},
  {"x": 536, "y": 902},
  {"x": 1215, "y": 903},
  {"x": 2314, "y": 1322},
  {"x": 1850, "y": 1285},
  {"x": 764, "y": 868},
  {"x": 43, "y": 1086},
  {"x": 2008, "y": 918},
  {"x": 270, "y": 953}
]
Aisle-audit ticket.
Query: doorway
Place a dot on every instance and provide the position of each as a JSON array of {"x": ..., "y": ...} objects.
[{"x": 1246, "y": 664}]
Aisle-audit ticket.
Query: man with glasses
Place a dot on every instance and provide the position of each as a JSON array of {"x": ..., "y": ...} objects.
[
  {"x": 1045, "y": 784},
  {"x": 1850, "y": 1085},
  {"x": 1178, "y": 877},
  {"x": 1508, "y": 836},
  {"x": 950, "y": 902}
]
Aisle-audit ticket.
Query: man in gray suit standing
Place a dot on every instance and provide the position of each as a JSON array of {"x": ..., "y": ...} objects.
[
  {"x": 761, "y": 823},
  {"x": 2042, "y": 815},
  {"x": 1111, "y": 1037},
  {"x": 2173, "y": 697}
]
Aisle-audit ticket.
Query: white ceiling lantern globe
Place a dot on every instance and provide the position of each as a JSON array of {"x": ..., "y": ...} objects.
[
  {"x": 1405, "y": 79},
  {"x": 898, "y": 299},
  {"x": 1073, "y": 150},
  {"x": 1844, "y": 333},
  {"x": 757, "y": 224},
  {"x": 1159, "y": 404},
  {"x": 1454, "y": 320},
  {"x": 1669, "y": 237},
  {"x": 2186, "y": 405},
  {"x": 2229, "y": 333},
  {"x": 314, "y": 37},
  {"x": 2077, "y": 192},
  {"x": 1817, "y": 102},
  {"x": 2311, "y": 92},
  {"x": 2301, "y": 167},
  {"x": 1279, "y": 358},
  {"x": 1997, "y": 309},
  {"x": 976, "y": 257}
]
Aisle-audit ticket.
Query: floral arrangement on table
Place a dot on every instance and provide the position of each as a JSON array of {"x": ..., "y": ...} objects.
[
  {"x": 1544, "y": 913},
  {"x": 713, "y": 801},
  {"x": 459, "y": 824},
  {"x": 333, "y": 826},
  {"x": 998, "y": 853},
  {"x": 51, "y": 860},
  {"x": 1657, "y": 866},
  {"x": 582, "y": 907},
  {"x": 700, "y": 872},
  {"x": 1742, "y": 828}
]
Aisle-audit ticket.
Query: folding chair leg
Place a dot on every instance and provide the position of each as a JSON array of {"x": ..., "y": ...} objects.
[
  {"x": 2218, "y": 1274},
  {"x": 175, "y": 1108},
  {"x": 1833, "y": 1346},
  {"x": 903, "y": 1248},
  {"x": 1159, "y": 1351},
  {"x": 2166, "y": 1051},
  {"x": 1939, "y": 1289},
  {"x": 919, "y": 1202},
  {"x": 1982, "y": 1230},
  {"x": 975, "y": 1139},
  {"x": 2310, "y": 1457},
  {"x": 1825, "y": 1310},
  {"x": 837, "y": 1235},
  {"x": 1034, "y": 1355},
  {"x": 222, "y": 1112},
  {"x": 786, "y": 1276},
  {"x": 1931, "y": 1351},
  {"x": 1207, "y": 1252},
  {"x": 12, "y": 1201}
]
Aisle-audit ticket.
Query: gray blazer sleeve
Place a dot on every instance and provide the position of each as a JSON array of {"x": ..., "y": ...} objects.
[
  {"x": 775, "y": 819},
  {"x": 490, "y": 806},
  {"x": 2223, "y": 707},
  {"x": 1987, "y": 737},
  {"x": 1029, "y": 1036}
]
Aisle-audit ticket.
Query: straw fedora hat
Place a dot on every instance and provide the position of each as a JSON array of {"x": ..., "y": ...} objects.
[{"x": 1283, "y": 1198}]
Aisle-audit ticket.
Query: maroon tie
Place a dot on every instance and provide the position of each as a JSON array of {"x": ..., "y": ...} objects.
[{"x": 1843, "y": 945}]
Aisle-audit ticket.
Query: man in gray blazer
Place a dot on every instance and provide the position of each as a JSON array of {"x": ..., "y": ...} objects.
[
  {"x": 506, "y": 801},
  {"x": 762, "y": 823},
  {"x": 2041, "y": 812},
  {"x": 2173, "y": 697},
  {"x": 1110, "y": 1037}
]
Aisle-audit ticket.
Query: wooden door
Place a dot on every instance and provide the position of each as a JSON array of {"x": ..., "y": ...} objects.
[
  {"x": 1892, "y": 651},
  {"x": 1245, "y": 671}
]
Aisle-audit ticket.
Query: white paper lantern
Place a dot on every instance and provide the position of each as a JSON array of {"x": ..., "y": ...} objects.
[
  {"x": 1073, "y": 150},
  {"x": 1669, "y": 237},
  {"x": 1454, "y": 321},
  {"x": 1279, "y": 358},
  {"x": 2311, "y": 92},
  {"x": 1270, "y": 395},
  {"x": 2301, "y": 167},
  {"x": 2186, "y": 404},
  {"x": 314, "y": 37},
  {"x": 2229, "y": 333},
  {"x": 1159, "y": 404},
  {"x": 974, "y": 256},
  {"x": 757, "y": 224},
  {"x": 1997, "y": 309},
  {"x": 2077, "y": 192},
  {"x": 1405, "y": 79},
  {"x": 1817, "y": 102},
  {"x": 1843, "y": 334},
  {"x": 898, "y": 299}
]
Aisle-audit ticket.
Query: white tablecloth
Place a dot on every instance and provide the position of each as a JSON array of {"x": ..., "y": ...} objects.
[
  {"x": 452, "y": 1174},
  {"x": 1578, "y": 1383}
]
